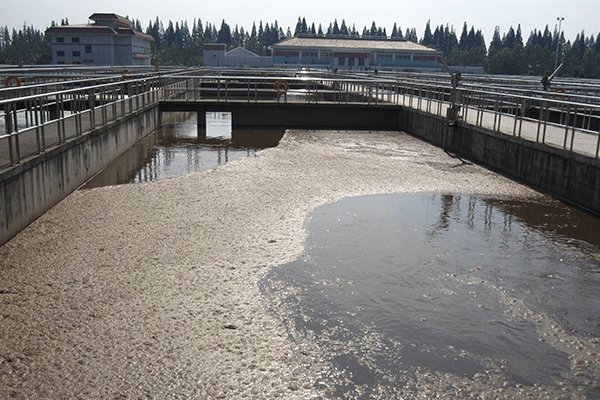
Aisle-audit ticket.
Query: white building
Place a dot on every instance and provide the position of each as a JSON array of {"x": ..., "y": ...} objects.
[
  {"x": 109, "y": 40},
  {"x": 354, "y": 53}
]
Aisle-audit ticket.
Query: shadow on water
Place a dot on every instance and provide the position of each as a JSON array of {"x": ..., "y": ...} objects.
[
  {"x": 178, "y": 148},
  {"x": 393, "y": 285}
]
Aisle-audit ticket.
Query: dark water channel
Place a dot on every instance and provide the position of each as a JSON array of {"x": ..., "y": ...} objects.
[
  {"x": 402, "y": 290},
  {"x": 177, "y": 149}
]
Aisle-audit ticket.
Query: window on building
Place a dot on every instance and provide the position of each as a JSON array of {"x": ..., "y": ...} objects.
[
  {"x": 361, "y": 61},
  {"x": 384, "y": 56},
  {"x": 74, "y": 40},
  {"x": 309, "y": 54},
  {"x": 88, "y": 48},
  {"x": 60, "y": 53},
  {"x": 76, "y": 54},
  {"x": 60, "y": 40},
  {"x": 351, "y": 61}
]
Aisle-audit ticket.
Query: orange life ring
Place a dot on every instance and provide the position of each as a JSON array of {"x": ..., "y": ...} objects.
[
  {"x": 281, "y": 86},
  {"x": 12, "y": 81},
  {"x": 263, "y": 73},
  {"x": 558, "y": 91},
  {"x": 125, "y": 72}
]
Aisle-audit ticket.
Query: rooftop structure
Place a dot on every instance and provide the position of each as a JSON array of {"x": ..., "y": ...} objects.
[
  {"x": 353, "y": 53},
  {"x": 216, "y": 55},
  {"x": 109, "y": 40}
]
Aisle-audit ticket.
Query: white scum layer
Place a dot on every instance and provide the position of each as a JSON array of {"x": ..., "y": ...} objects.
[{"x": 150, "y": 290}]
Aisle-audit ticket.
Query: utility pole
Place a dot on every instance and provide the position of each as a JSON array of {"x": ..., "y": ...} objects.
[{"x": 560, "y": 20}]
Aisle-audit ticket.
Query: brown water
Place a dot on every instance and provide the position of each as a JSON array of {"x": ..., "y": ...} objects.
[
  {"x": 411, "y": 294},
  {"x": 177, "y": 149}
]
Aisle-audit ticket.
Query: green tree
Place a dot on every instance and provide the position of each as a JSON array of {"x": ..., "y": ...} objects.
[
  {"x": 508, "y": 62},
  {"x": 496, "y": 43},
  {"x": 28, "y": 45},
  {"x": 344, "y": 28},
  {"x": 224, "y": 35},
  {"x": 427, "y": 39}
]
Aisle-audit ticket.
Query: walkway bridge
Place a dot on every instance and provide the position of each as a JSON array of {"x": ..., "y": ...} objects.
[{"x": 57, "y": 133}]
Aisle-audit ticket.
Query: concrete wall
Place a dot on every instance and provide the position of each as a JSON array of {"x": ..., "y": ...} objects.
[
  {"x": 34, "y": 186},
  {"x": 296, "y": 115},
  {"x": 257, "y": 62},
  {"x": 566, "y": 175}
]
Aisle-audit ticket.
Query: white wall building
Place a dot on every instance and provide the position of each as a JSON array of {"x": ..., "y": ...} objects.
[
  {"x": 354, "y": 53},
  {"x": 109, "y": 40}
]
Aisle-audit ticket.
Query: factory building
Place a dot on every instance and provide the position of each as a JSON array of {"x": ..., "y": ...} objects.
[
  {"x": 355, "y": 53},
  {"x": 109, "y": 40}
]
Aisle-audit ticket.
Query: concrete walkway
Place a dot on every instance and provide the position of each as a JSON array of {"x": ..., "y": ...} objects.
[
  {"x": 47, "y": 135},
  {"x": 578, "y": 141}
]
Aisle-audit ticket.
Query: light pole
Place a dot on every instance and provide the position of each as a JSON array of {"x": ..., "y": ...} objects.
[{"x": 560, "y": 20}]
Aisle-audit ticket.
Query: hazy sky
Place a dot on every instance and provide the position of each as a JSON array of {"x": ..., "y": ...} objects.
[{"x": 482, "y": 14}]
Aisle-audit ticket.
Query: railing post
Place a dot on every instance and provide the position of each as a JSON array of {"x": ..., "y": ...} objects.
[
  {"x": 598, "y": 144},
  {"x": 59, "y": 126},
  {"x": 76, "y": 113},
  {"x": 218, "y": 89},
  {"x": 130, "y": 95},
  {"x": 9, "y": 130},
  {"x": 567, "y": 119},
  {"x": 137, "y": 95},
  {"x": 144, "y": 91},
  {"x": 103, "y": 101},
  {"x": 42, "y": 115},
  {"x": 123, "y": 99},
  {"x": 92, "y": 106},
  {"x": 113, "y": 101},
  {"x": 521, "y": 116},
  {"x": 573, "y": 130}
]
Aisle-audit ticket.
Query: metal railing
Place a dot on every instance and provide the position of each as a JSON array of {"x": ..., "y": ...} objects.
[
  {"x": 32, "y": 123},
  {"x": 556, "y": 119}
]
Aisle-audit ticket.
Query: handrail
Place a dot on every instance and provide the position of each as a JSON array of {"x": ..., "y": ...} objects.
[{"x": 31, "y": 124}]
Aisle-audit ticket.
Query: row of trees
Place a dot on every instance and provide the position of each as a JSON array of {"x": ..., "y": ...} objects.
[
  {"x": 335, "y": 29},
  {"x": 538, "y": 56},
  {"x": 28, "y": 45},
  {"x": 180, "y": 44}
]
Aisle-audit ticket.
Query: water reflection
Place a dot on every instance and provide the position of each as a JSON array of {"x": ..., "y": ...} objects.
[
  {"x": 501, "y": 293},
  {"x": 179, "y": 148}
]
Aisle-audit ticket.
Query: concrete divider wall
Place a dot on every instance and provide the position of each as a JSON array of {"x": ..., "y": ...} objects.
[
  {"x": 564, "y": 174},
  {"x": 34, "y": 186},
  {"x": 296, "y": 115}
]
